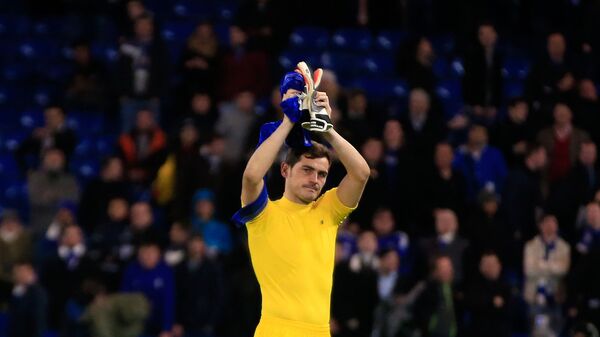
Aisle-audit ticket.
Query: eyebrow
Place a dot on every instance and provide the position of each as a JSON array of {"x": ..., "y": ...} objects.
[{"x": 314, "y": 169}]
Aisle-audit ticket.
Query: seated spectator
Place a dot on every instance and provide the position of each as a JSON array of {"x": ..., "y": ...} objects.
[
  {"x": 65, "y": 217},
  {"x": 87, "y": 89},
  {"x": 547, "y": 259},
  {"x": 142, "y": 70},
  {"x": 200, "y": 292},
  {"x": 28, "y": 304},
  {"x": 15, "y": 243},
  {"x": 435, "y": 308},
  {"x": 562, "y": 142},
  {"x": 179, "y": 235},
  {"x": 482, "y": 83},
  {"x": 203, "y": 112},
  {"x": 242, "y": 69},
  {"x": 54, "y": 134},
  {"x": 47, "y": 188},
  {"x": 142, "y": 228},
  {"x": 216, "y": 234},
  {"x": 482, "y": 165},
  {"x": 487, "y": 230},
  {"x": 63, "y": 273},
  {"x": 446, "y": 242},
  {"x": 199, "y": 60},
  {"x": 515, "y": 133},
  {"x": 152, "y": 277},
  {"x": 488, "y": 299},
  {"x": 114, "y": 315},
  {"x": 143, "y": 148},
  {"x": 522, "y": 198},
  {"x": 389, "y": 237},
  {"x": 98, "y": 192}
]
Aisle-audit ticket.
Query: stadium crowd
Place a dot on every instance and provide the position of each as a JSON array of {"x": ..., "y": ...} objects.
[{"x": 479, "y": 119}]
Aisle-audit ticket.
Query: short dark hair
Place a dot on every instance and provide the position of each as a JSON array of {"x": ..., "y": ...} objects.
[
  {"x": 516, "y": 100},
  {"x": 315, "y": 151}
]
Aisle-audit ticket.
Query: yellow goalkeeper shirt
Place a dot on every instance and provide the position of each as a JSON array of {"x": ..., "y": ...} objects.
[{"x": 292, "y": 247}]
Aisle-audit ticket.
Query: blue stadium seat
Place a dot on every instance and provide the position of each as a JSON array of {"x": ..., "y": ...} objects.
[
  {"x": 457, "y": 68},
  {"x": 85, "y": 168},
  {"x": 513, "y": 88},
  {"x": 389, "y": 40},
  {"x": 443, "y": 44},
  {"x": 225, "y": 11},
  {"x": 341, "y": 62},
  {"x": 32, "y": 118},
  {"x": 105, "y": 145},
  {"x": 352, "y": 39},
  {"x": 382, "y": 88},
  {"x": 178, "y": 30},
  {"x": 56, "y": 72},
  {"x": 105, "y": 52},
  {"x": 516, "y": 68},
  {"x": 378, "y": 64},
  {"x": 43, "y": 95},
  {"x": 450, "y": 93},
  {"x": 309, "y": 38},
  {"x": 441, "y": 67},
  {"x": 14, "y": 195},
  {"x": 222, "y": 32},
  {"x": 11, "y": 140},
  {"x": 86, "y": 123},
  {"x": 8, "y": 167},
  {"x": 46, "y": 28},
  {"x": 175, "y": 49},
  {"x": 200, "y": 10},
  {"x": 39, "y": 50},
  {"x": 289, "y": 59},
  {"x": 9, "y": 119},
  {"x": 14, "y": 26},
  {"x": 11, "y": 97}
]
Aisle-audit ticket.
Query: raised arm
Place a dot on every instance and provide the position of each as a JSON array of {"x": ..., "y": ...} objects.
[
  {"x": 261, "y": 161},
  {"x": 357, "y": 170}
]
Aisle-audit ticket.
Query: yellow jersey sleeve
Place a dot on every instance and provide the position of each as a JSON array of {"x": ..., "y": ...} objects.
[{"x": 330, "y": 203}]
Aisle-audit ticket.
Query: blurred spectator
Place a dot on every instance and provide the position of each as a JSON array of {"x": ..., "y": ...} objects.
[
  {"x": 446, "y": 186},
  {"x": 265, "y": 23},
  {"x": 590, "y": 236},
  {"x": 586, "y": 108},
  {"x": 551, "y": 78},
  {"x": 203, "y": 112},
  {"x": 562, "y": 142},
  {"x": 343, "y": 321},
  {"x": 65, "y": 217},
  {"x": 15, "y": 243},
  {"x": 513, "y": 134},
  {"x": 486, "y": 230},
  {"x": 417, "y": 65},
  {"x": 199, "y": 60},
  {"x": 547, "y": 259},
  {"x": 482, "y": 83},
  {"x": 216, "y": 234},
  {"x": 184, "y": 171},
  {"x": 48, "y": 187},
  {"x": 142, "y": 229},
  {"x": 242, "y": 69},
  {"x": 435, "y": 308},
  {"x": 237, "y": 123},
  {"x": 98, "y": 192},
  {"x": 423, "y": 128},
  {"x": 389, "y": 237},
  {"x": 152, "y": 277},
  {"x": 482, "y": 165},
  {"x": 360, "y": 122},
  {"x": 143, "y": 148},
  {"x": 131, "y": 11},
  {"x": 446, "y": 242},
  {"x": 364, "y": 266},
  {"x": 523, "y": 197},
  {"x": 54, "y": 134},
  {"x": 28, "y": 304},
  {"x": 179, "y": 234},
  {"x": 489, "y": 300},
  {"x": 114, "y": 315},
  {"x": 333, "y": 89},
  {"x": 374, "y": 193},
  {"x": 63, "y": 273},
  {"x": 142, "y": 71},
  {"x": 87, "y": 89},
  {"x": 200, "y": 292}
]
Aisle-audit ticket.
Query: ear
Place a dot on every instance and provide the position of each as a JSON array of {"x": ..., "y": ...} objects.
[{"x": 285, "y": 169}]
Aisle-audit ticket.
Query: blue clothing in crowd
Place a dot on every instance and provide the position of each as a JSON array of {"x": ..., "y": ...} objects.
[{"x": 489, "y": 170}]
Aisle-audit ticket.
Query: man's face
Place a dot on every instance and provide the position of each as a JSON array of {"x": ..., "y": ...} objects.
[
  {"x": 306, "y": 178},
  {"x": 518, "y": 113},
  {"x": 144, "y": 120},
  {"x": 144, "y": 28},
  {"x": 418, "y": 104},
  {"x": 390, "y": 262},
  {"x": 562, "y": 114},
  {"x": 367, "y": 242},
  {"x": 393, "y": 133},
  {"x": 118, "y": 209},
  {"x": 72, "y": 236},
  {"x": 54, "y": 161},
  {"x": 383, "y": 222},
  {"x": 587, "y": 154},
  {"x": 141, "y": 215},
  {"x": 487, "y": 36},
  {"x": 490, "y": 267},
  {"x": 54, "y": 117},
  {"x": 149, "y": 256},
  {"x": 444, "y": 272},
  {"x": 444, "y": 155},
  {"x": 556, "y": 46},
  {"x": 549, "y": 227},
  {"x": 593, "y": 215},
  {"x": 445, "y": 222}
]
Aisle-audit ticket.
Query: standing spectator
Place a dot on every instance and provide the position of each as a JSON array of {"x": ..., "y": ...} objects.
[
  {"x": 417, "y": 65},
  {"x": 586, "y": 109},
  {"x": 547, "y": 259},
  {"x": 152, "y": 277},
  {"x": 97, "y": 193},
  {"x": 435, "y": 308},
  {"x": 48, "y": 187},
  {"x": 523, "y": 196},
  {"x": 199, "y": 60},
  {"x": 200, "y": 292},
  {"x": 482, "y": 83},
  {"x": 143, "y": 76},
  {"x": 87, "y": 89},
  {"x": 374, "y": 193},
  {"x": 343, "y": 311},
  {"x": 15, "y": 244},
  {"x": 515, "y": 133},
  {"x": 243, "y": 69},
  {"x": 142, "y": 229},
  {"x": 590, "y": 236},
  {"x": 489, "y": 300},
  {"x": 28, "y": 304},
  {"x": 487, "y": 230},
  {"x": 482, "y": 165},
  {"x": 179, "y": 235},
  {"x": 54, "y": 134},
  {"x": 388, "y": 237},
  {"x": 143, "y": 148},
  {"x": 446, "y": 242},
  {"x": 562, "y": 142},
  {"x": 216, "y": 234},
  {"x": 359, "y": 121},
  {"x": 202, "y": 110}
]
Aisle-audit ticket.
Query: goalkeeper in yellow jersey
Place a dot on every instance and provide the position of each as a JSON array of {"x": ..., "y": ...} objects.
[{"x": 292, "y": 240}]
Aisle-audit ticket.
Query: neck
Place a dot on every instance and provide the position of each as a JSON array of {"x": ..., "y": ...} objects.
[{"x": 293, "y": 198}]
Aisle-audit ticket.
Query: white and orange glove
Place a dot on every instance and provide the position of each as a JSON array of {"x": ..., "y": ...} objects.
[{"x": 319, "y": 118}]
